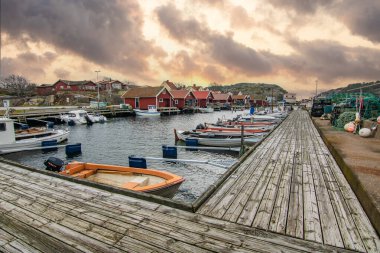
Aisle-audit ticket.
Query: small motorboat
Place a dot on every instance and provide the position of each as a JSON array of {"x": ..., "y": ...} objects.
[
  {"x": 97, "y": 118},
  {"x": 207, "y": 109},
  {"x": 11, "y": 142},
  {"x": 214, "y": 140},
  {"x": 77, "y": 117},
  {"x": 157, "y": 182},
  {"x": 151, "y": 112}
]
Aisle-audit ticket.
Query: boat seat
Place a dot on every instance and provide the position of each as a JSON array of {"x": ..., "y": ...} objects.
[
  {"x": 136, "y": 182},
  {"x": 84, "y": 173}
]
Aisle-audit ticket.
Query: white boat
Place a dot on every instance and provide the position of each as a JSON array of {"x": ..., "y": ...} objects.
[
  {"x": 10, "y": 142},
  {"x": 206, "y": 110},
  {"x": 78, "y": 117},
  {"x": 97, "y": 118},
  {"x": 217, "y": 142},
  {"x": 151, "y": 112},
  {"x": 256, "y": 117}
]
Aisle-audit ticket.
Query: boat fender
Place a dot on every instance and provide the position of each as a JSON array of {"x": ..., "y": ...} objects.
[
  {"x": 378, "y": 120},
  {"x": 365, "y": 132},
  {"x": 349, "y": 127},
  {"x": 54, "y": 164}
]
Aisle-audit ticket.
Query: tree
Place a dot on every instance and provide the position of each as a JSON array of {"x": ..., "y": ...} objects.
[{"x": 18, "y": 85}]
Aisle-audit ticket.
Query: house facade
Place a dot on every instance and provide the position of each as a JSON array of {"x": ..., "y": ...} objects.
[
  {"x": 290, "y": 98},
  {"x": 183, "y": 98},
  {"x": 112, "y": 85},
  {"x": 141, "y": 97},
  {"x": 222, "y": 98},
  {"x": 66, "y": 85},
  {"x": 240, "y": 100},
  {"x": 203, "y": 98}
]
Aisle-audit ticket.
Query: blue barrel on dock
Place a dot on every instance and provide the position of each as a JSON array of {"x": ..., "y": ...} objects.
[
  {"x": 24, "y": 126},
  {"x": 137, "y": 162},
  {"x": 73, "y": 149},
  {"x": 49, "y": 124},
  {"x": 48, "y": 145},
  {"x": 169, "y": 152}
]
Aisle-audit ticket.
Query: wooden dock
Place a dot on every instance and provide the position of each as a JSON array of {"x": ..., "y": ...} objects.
[
  {"x": 287, "y": 196},
  {"x": 291, "y": 185}
]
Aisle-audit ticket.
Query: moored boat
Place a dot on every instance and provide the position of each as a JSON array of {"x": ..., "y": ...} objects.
[
  {"x": 206, "y": 109},
  {"x": 11, "y": 142},
  {"x": 216, "y": 141},
  {"x": 151, "y": 112},
  {"x": 136, "y": 179},
  {"x": 77, "y": 117}
]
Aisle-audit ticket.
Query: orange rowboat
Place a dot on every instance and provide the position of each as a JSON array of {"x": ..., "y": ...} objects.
[{"x": 156, "y": 182}]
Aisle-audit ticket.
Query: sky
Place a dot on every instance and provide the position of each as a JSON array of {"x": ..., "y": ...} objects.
[{"x": 292, "y": 43}]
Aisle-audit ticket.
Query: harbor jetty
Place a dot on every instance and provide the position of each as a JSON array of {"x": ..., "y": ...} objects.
[{"x": 286, "y": 195}]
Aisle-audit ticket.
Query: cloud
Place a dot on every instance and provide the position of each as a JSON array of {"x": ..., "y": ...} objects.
[
  {"x": 301, "y": 7},
  {"x": 108, "y": 33},
  {"x": 329, "y": 61},
  {"x": 27, "y": 64},
  {"x": 240, "y": 18},
  {"x": 62, "y": 73},
  {"x": 361, "y": 17},
  {"x": 221, "y": 48}
]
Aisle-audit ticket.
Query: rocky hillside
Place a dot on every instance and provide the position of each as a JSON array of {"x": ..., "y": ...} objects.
[
  {"x": 258, "y": 90},
  {"x": 366, "y": 87}
]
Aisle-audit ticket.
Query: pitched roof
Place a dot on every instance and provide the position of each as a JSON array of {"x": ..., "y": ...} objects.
[
  {"x": 76, "y": 82},
  {"x": 44, "y": 85},
  {"x": 142, "y": 92},
  {"x": 201, "y": 94},
  {"x": 179, "y": 93},
  {"x": 239, "y": 96},
  {"x": 220, "y": 96},
  {"x": 170, "y": 85}
]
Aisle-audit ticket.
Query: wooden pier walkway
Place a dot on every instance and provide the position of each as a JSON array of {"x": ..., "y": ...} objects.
[
  {"x": 287, "y": 196},
  {"x": 292, "y": 185}
]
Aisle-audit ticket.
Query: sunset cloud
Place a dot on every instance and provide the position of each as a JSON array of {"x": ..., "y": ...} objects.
[{"x": 288, "y": 42}]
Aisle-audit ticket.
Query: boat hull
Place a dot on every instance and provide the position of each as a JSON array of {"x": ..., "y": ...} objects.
[
  {"x": 161, "y": 183},
  {"x": 17, "y": 146},
  {"x": 147, "y": 114}
]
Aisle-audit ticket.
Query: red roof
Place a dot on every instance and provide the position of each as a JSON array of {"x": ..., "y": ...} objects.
[
  {"x": 179, "y": 93},
  {"x": 201, "y": 94},
  {"x": 143, "y": 92},
  {"x": 171, "y": 85},
  {"x": 220, "y": 96}
]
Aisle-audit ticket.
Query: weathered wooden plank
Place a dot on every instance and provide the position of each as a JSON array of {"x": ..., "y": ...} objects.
[
  {"x": 240, "y": 200},
  {"x": 294, "y": 225},
  {"x": 38, "y": 240}
]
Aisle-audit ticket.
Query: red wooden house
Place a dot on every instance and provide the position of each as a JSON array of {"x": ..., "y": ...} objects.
[
  {"x": 65, "y": 85},
  {"x": 222, "y": 98},
  {"x": 240, "y": 99},
  {"x": 141, "y": 97},
  {"x": 45, "y": 89},
  {"x": 183, "y": 98},
  {"x": 203, "y": 98}
]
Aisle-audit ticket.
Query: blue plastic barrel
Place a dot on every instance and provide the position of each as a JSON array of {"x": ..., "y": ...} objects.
[
  {"x": 24, "y": 126},
  {"x": 48, "y": 144},
  {"x": 73, "y": 149},
  {"x": 137, "y": 162},
  {"x": 169, "y": 152},
  {"x": 49, "y": 124}
]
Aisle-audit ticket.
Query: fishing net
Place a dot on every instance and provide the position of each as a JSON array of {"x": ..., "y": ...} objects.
[{"x": 344, "y": 118}]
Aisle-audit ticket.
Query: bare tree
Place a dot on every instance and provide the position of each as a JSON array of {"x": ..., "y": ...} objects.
[{"x": 18, "y": 85}]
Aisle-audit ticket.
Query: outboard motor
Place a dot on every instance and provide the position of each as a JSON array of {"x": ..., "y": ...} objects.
[
  {"x": 88, "y": 120},
  {"x": 200, "y": 126},
  {"x": 54, "y": 164}
]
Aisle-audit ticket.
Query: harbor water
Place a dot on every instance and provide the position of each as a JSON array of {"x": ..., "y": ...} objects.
[{"x": 118, "y": 138}]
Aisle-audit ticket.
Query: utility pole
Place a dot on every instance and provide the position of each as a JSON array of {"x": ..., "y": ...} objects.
[
  {"x": 97, "y": 72},
  {"x": 272, "y": 100},
  {"x": 316, "y": 88}
]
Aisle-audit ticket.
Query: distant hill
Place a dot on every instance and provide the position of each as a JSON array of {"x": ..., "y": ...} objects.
[
  {"x": 369, "y": 87},
  {"x": 257, "y": 90}
]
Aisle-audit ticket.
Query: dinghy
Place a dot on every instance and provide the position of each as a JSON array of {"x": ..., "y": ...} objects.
[{"x": 152, "y": 181}]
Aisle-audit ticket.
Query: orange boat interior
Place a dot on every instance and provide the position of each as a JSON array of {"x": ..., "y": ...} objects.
[{"x": 136, "y": 179}]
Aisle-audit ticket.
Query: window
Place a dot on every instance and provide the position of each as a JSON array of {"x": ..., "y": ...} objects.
[
  {"x": 3, "y": 127},
  {"x": 161, "y": 100},
  {"x": 176, "y": 102}
]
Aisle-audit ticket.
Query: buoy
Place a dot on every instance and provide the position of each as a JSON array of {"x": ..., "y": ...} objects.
[
  {"x": 365, "y": 132},
  {"x": 349, "y": 127},
  {"x": 378, "y": 120}
]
